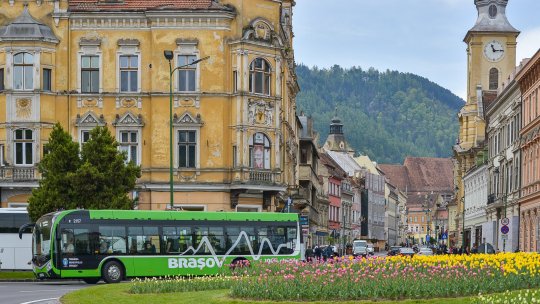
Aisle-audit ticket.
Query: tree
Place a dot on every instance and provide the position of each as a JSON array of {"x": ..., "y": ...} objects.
[
  {"x": 55, "y": 189},
  {"x": 104, "y": 178},
  {"x": 96, "y": 178}
]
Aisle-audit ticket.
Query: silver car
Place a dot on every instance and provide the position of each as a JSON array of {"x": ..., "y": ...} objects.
[{"x": 425, "y": 251}]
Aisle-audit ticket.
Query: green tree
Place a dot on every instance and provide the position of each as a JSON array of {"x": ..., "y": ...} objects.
[
  {"x": 96, "y": 178},
  {"x": 55, "y": 189},
  {"x": 104, "y": 179}
]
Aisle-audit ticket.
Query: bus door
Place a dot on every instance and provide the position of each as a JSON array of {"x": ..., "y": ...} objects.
[{"x": 75, "y": 248}]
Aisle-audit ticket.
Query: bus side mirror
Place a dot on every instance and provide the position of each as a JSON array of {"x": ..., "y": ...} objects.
[{"x": 24, "y": 227}]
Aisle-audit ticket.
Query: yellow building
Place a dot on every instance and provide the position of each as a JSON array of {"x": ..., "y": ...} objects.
[
  {"x": 87, "y": 63},
  {"x": 491, "y": 57}
]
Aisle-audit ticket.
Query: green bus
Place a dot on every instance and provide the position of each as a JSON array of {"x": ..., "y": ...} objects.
[{"x": 116, "y": 244}]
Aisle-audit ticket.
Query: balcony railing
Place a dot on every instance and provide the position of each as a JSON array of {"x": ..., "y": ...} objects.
[
  {"x": 263, "y": 176},
  {"x": 18, "y": 173}
]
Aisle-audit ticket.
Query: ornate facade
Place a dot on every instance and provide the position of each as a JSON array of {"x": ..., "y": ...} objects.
[
  {"x": 87, "y": 63},
  {"x": 529, "y": 204},
  {"x": 491, "y": 57}
]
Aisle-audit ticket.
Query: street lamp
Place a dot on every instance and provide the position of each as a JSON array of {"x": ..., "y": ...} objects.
[
  {"x": 505, "y": 199},
  {"x": 169, "y": 55}
]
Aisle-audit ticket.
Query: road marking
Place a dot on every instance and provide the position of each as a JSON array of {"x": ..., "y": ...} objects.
[
  {"x": 42, "y": 300},
  {"x": 45, "y": 290}
]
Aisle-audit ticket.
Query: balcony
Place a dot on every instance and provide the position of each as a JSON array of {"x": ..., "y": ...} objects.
[
  {"x": 18, "y": 174},
  {"x": 263, "y": 176},
  {"x": 306, "y": 174}
]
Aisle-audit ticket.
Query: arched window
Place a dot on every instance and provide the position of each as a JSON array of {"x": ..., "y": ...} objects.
[
  {"x": 493, "y": 79},
  {"x": 259, "y": 151},
  {"x": 23, "y": 69},
  {"x": 259, "y": 78},
  {"x": 24, "y": 147}
]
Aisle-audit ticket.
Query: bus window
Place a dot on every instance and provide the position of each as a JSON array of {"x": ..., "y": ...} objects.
[
  {"x": 144, "y": 240},
  {"x": 112, "y": 239},
  {"x": 197, "y": 234},
  {"x": 171, "y": 239},
  {"x": 262, "y": 240},
  {"x": 215, "y": 235},
  {"x": 185, "y": 240}
]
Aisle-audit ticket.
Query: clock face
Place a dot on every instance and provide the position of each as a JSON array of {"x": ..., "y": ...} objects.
[{"x": 494, "y": 50}]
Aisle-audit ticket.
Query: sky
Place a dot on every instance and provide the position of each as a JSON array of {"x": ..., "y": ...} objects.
[{"x": 424, "y": 37}]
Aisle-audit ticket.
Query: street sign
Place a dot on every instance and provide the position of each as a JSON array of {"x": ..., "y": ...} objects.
[
  {"x": 505, "y": 229},
  {"x": 444, "y": 236},
  {"x": 504, "y": 237},
  {"x": 427, "y": 237},
  {"x": 304, "y": 221},
  {"x": 505, "y": 221}
]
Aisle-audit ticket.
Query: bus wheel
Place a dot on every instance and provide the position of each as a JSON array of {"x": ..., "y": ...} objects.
[
  {"x": 113, "y": 272},
  {"x": 91, "y": 280}
]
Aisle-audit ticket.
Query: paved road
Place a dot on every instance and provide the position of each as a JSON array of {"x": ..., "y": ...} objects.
[{"x": 36, "y": 292}]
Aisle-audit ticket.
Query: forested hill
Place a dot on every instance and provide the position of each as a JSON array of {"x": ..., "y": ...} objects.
[{"x": 386, "y": 115}]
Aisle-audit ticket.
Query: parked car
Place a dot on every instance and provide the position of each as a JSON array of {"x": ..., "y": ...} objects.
[
  {"x": 394, "y": 250},
  {"x": 425, "y": 251},
  {"x": 486, "y": 248},
  {"x": 406, "y": 251},
  {"x": 360, "y": 248},
  {"x": 370, "y": 249}
]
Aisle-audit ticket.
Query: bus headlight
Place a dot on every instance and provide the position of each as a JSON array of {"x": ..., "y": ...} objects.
[{"x": 49, "y": 266}]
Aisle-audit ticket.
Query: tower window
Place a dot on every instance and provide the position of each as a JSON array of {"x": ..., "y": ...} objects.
[
  {"x": 493, "y": 79},
  {"x": 492, "y": 11}
]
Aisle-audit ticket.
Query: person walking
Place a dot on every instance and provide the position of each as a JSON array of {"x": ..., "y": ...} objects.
[
  {"x": 318, "y": 253},
  {"x": 309, "y": 254}
]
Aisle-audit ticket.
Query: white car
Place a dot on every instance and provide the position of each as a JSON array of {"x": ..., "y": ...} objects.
[
  {"x": 370, "y": 249},
  {"x": 425, "y": 251}
]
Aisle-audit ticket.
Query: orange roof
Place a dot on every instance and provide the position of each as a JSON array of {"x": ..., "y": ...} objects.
[{"x": 142, "y": 5}]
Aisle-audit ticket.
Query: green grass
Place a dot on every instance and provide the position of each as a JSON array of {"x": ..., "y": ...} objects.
[
  {"x": 117, "y": 293},
  {"x": 16, "y": 275}
]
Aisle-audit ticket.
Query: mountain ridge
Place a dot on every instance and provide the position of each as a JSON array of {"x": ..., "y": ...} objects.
[{"x": 386, "y": 115}]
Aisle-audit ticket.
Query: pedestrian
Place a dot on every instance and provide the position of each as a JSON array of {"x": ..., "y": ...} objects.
[
  {"x": 309, "y": 254},
  {"x": 318, "y": 253}
]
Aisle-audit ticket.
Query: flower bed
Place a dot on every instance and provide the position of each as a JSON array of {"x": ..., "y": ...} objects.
[{"x": 390, "y": 278}]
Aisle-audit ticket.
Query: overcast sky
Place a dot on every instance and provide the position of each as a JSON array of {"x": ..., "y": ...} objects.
[{"x": 423, "y": 37}]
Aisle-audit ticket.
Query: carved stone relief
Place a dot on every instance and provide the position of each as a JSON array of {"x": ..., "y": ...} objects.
[
  {"x": 260, "y": 112},
  {"x": 186, "y": 102},
  {"x": 90, "y": 102},
  {"x": 23, "y": 107}
]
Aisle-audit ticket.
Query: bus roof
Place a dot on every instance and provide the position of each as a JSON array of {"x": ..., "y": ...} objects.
[{"x": 185, "y": 215}]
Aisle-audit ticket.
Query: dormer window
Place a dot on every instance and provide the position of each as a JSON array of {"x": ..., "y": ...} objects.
[{"x": 492, "y": 11}]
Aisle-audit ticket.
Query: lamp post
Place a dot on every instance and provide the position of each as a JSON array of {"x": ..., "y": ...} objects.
[
  {"x": 169, "y": 55},
  {"x": 463, "y": 221},
  {"x": 505, "y": 199}
]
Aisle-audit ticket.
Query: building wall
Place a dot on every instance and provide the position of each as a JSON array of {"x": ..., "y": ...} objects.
[
  {"x": 225, "y": 118},
  {"x": 529, "y": 81},
  {"x": 476, "y": 192}
]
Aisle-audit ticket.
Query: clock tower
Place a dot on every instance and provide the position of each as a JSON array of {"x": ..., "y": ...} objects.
[{"x": 491, "y": 57}]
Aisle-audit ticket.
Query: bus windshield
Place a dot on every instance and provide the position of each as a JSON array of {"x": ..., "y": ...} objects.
[{"x": 42, "y": 236}]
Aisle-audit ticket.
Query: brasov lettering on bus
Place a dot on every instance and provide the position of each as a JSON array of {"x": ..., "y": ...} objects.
[{"x": 192, "y": 263}]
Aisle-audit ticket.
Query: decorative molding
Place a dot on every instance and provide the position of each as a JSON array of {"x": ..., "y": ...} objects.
[
  {"x": 90, "y": 102},
  {"x": 90, "y": 41},
  {"x": 90, "y": 119},
  {"x": 187, "y": 120},
  {"x": 128, "y": 120},
  {"x": 260, "y": 112},
  {"x": 128, "y": 102},
  {"x": 23, "y": 108},
  {"x": 187, "y": 42},
  {"x": 129, "y": 42},
  {"x": 187, "y": 101}
]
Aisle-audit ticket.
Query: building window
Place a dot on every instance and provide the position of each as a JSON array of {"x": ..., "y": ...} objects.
[
  {"x": 493, "y": 79},
  {"x": 129, "y": 143},
  {"x": 23, "y": 74},
  {"x": 187, "y": 147},
  {"x": 24, "y": 151},
  {"x": 259, "y": 151},
  {"x": 47, "y": 80},
  {"x": 129, "y": 71},
  {"x": 492, "y": 11},
  {"x": 85, "y": 136},
  {"x": 186, "y": 74},
  {"x": 90, "y": 74},
  {"x": 2, "y": 156},
  {"x": 235, "y": 81},
  {"x": 259, "y": 78},
  {"x": 2, "y": 87},
  {"x": 235, "y": 159}
]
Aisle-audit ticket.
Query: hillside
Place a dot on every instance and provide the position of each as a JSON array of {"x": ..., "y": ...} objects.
[{"x": 386, "y": 115}]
